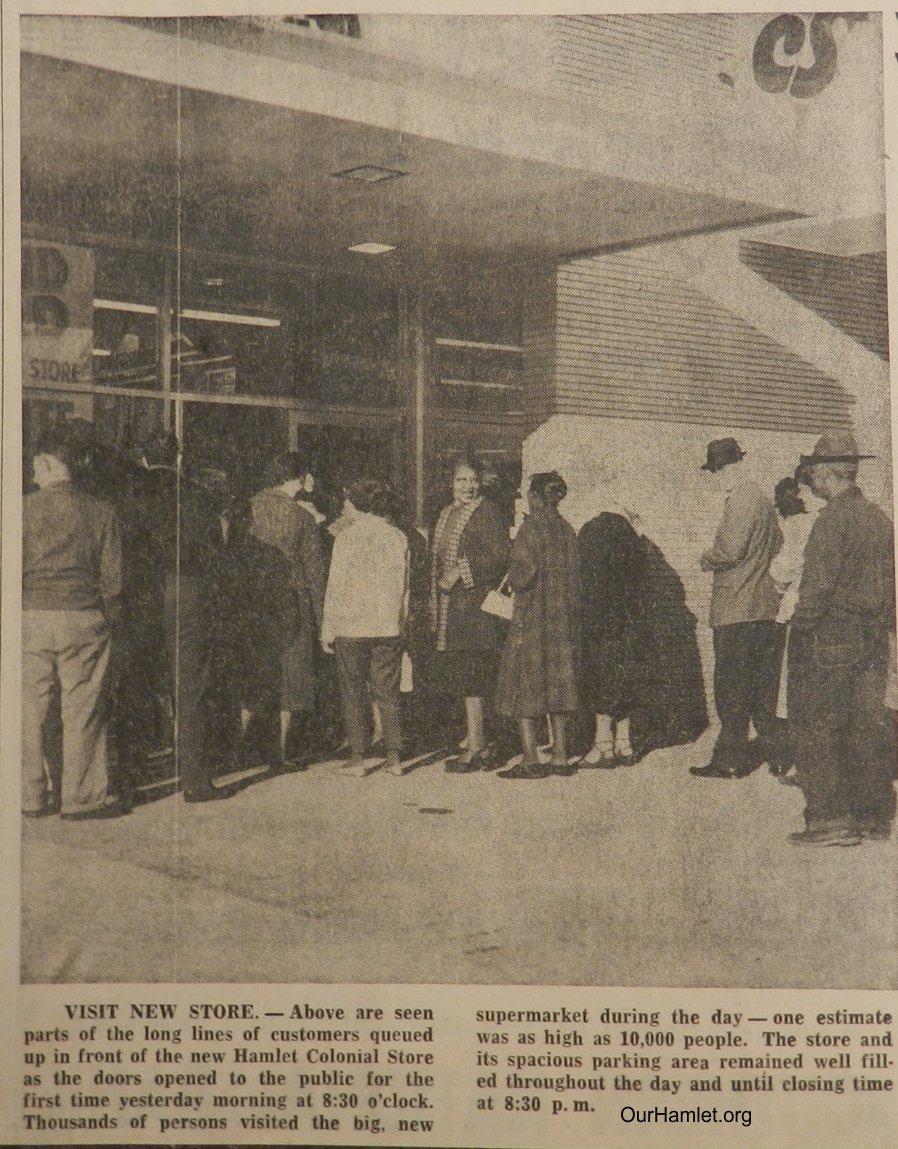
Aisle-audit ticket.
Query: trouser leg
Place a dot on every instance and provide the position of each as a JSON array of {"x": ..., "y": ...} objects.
[
  {"x": 82, "y": 663},
  {"x": 820, "y": 703},
  {"x": 353, "y": 656},
  {"x": 38, "y": 685},
  {"x": 871, "y": 743},
  {"x": 131, "y": 720},
  {"x": 53, "y": 743},
  {"x": 766, "y": 657},
  {"x": 188, "y": 636},
  {"x": 732, "y": 694},
  {"x": 384, "y": 676},
  {"x": 192, "y": 705}
]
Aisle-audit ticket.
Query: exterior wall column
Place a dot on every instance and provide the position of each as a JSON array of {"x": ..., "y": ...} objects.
[{"x": 415, "y": 385}]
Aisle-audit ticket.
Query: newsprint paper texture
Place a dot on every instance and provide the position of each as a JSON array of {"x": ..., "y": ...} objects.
[{"x": 270, "y": 276}]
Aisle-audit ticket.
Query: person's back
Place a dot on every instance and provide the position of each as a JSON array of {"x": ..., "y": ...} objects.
[
  {"x": 71, "y": 586},
  {"x": 277, "y": 520},
  {"x": 849, "y": 564},
  {"x": 744, "y": 605},
  {"x": 747, "y": 541},
  {"x": 839, "y": 657},
  {"x": 365, "y": 609},
  {"x": 368, "y": 590},
  {"x": 788, "y": 563},
  {"x": 546, "y": 557},
  {"x": 64, "y": 560}
]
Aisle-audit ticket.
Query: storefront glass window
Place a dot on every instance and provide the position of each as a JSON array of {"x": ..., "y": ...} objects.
[
  {"x": 129, "y": 288},
  {"x": 482, "y": 379},
  {"x": 119, "y": 425},
  {"x": 231, "y": 355},
  {"x": 353, "y": 343},
  {"x": 124, "y": 351},
  {"x": 125, "y": 423},
  {"x": 476, "y": 349}
]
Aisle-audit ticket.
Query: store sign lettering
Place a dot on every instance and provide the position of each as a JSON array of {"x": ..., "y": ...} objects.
[
  {"x": 781, "y": 41},
  {"x": 45, "y": 271},
  {"x": 54, "y": 371},
  {"x": 57, "y": 312}
]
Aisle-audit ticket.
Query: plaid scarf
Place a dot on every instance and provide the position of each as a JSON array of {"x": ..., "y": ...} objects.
[{"x": 446, "y": 540}]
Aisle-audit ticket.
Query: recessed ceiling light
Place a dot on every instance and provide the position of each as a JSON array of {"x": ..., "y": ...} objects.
[
  {"x": 369, "y": 174},
  {"x": 214, "y": 281},
  {"x": 372, "y": 248}
]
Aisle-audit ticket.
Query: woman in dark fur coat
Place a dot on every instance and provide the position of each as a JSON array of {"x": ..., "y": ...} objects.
[{"x": 538, "y": 674}]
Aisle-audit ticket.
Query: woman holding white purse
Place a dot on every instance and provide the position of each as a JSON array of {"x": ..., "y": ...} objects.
[{"x": 469, "y": 558}]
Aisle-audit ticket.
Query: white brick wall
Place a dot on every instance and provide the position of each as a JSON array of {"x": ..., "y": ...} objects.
[{"x": 654, "y": 470}]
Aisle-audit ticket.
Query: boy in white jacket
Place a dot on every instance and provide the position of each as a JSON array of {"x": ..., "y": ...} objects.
[{"x": 365, "y": 609}]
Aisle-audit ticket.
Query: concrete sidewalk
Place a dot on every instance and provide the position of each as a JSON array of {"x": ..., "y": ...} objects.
[{"x": 636, "y": 876}]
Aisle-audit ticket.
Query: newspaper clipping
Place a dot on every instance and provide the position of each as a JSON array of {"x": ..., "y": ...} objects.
[{"x": 448, "y": 577}]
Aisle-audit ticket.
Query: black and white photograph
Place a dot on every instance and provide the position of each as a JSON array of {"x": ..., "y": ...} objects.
[{"x": 456, "y": 503}]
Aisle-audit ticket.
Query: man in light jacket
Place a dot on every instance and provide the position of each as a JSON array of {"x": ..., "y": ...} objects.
[
  {"x": 744, "y": 604},
  {"x": 71, "y": 588},
  {"x": 365, "y": 609}
]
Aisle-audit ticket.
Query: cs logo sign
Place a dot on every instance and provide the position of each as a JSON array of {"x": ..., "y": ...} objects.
[{"x": 781, "y": 41}]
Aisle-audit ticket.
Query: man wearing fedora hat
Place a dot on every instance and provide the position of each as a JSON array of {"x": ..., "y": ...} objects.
[
  {"x": 744, "y": 603},
  {"x": 839, "y": 657}
]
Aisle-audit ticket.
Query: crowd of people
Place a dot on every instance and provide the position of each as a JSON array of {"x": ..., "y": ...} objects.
[{"x": 244, "y": 618}]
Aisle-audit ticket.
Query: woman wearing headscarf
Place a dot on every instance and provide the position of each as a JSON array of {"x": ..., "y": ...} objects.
[
  {"x": 469, "y": 559},
  {"x": 538, "y": 671},
  {"x": 642, "y": 677},
  {"x": 614, "y": 594}
]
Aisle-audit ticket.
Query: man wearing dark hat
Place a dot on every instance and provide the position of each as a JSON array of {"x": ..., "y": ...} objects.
[
  {"x": 838, "y": 658},
  {"x": 744, "y": 604}
]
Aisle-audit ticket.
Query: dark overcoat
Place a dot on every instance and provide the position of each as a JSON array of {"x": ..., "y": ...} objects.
[
  {"x": 484, "y": 545},
  {"x": 671, "y": 707},
  {"x": 615, "y": 595},
  {"x": 287, "y": 565},
  {"x": 539, "y": 669}
]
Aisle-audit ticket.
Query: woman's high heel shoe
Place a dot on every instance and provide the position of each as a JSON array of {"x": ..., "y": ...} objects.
[{"x": 601, "y": 755}]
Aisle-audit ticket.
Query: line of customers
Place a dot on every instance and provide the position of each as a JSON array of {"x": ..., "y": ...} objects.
[
  {"x": 191, "y": 595},
  {"x": 245, "y": 592},
  {"x": 601, "y": 624}
]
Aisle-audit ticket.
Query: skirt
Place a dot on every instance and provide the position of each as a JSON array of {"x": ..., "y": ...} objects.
[
  {"x": 279, "y": 669},
  {"x": 463, "y": 673}
]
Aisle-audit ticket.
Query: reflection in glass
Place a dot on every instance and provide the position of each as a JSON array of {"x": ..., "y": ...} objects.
[{"x": 124, "y": 349}]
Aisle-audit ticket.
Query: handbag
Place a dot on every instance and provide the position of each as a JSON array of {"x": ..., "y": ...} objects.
[{"x": 499, "y": 603}]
